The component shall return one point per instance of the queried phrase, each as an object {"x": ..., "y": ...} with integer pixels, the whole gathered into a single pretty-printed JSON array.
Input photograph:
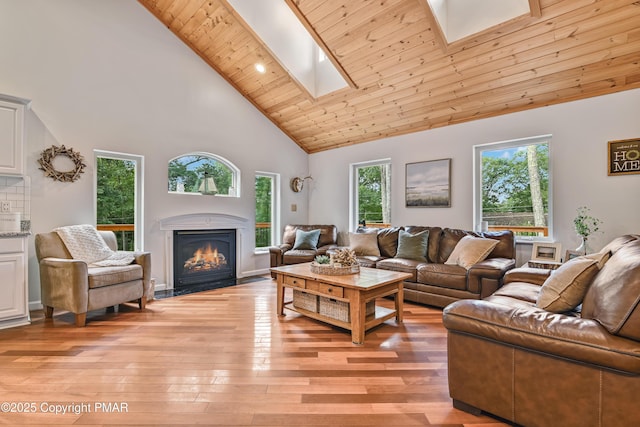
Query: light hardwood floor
[{"x": 223, "y": 357}]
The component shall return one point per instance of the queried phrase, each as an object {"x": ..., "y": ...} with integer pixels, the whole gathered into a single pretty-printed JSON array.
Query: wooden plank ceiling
[{"x": 406, "y": 78}]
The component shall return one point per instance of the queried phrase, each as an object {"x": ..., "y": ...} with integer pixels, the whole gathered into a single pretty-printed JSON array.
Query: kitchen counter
[{"x": 5, "y": 235}]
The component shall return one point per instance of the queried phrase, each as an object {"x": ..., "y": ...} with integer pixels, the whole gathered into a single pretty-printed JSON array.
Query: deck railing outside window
[
  {"x": 124, "y": 234},
  {"x": 263, "y": 234}
]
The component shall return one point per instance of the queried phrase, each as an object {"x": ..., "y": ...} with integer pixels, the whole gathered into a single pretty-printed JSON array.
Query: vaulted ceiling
[{"x": 405, "y": 77}]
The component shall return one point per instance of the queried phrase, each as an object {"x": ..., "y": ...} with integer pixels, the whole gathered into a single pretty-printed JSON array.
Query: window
[
  {"x": 277, "y": 25},
  {"x": 371, "y": 194},
  {"x": 512, "y": 187},
  {"x": 267, "y": 196},
  {"x": 204, "y": 173},
  {"x": 119, "y": 197}
]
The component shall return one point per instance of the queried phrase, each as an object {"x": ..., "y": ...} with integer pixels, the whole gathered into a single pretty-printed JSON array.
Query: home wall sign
[
  {"x": 624, "y": 157},
  {"x": 47, "y": 159}
]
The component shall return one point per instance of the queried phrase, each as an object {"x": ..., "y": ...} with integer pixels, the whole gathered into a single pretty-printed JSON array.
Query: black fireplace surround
[{"x": 203, "y": 256}]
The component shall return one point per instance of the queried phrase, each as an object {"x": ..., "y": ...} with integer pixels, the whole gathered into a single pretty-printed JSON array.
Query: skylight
[
  {"x": 461, "y": 18},
  {"x": 281, "y": 30}
]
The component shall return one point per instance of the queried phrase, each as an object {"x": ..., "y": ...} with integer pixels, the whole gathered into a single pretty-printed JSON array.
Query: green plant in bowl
[{"x": 322, "y": 259}]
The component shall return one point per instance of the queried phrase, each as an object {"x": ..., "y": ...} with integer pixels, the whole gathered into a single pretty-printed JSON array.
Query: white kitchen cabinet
[
  {"x": 12, "y": 135},
  {"x": 14, "y": 305}
]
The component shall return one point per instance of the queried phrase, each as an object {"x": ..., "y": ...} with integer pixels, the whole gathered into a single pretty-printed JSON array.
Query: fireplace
[{"x": 202, "y": 256}]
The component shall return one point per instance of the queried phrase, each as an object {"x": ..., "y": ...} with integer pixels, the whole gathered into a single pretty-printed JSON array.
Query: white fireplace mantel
[
  {"x": 203, "y": 221},
  {"x": 200, "y": 221}
]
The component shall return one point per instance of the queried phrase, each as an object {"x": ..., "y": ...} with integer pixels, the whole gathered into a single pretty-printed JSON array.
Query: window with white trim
[
  {"x": 512, "y": 187},
  {"x": 267, "y": 196},
  {"x": 203, "y": 173},
  {"x": 119, "y": 182},
  {"x": 370, "y": 194}
]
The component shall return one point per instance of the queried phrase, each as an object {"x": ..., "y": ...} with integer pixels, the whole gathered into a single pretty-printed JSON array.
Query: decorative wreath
[{"x": 46, "y": 159}]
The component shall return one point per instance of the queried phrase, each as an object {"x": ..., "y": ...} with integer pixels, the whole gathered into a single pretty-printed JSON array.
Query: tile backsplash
[{"x": 17, "y": 191}]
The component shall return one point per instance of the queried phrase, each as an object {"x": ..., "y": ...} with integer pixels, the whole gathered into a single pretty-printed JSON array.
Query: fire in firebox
[{"x": 205, "y": 259}]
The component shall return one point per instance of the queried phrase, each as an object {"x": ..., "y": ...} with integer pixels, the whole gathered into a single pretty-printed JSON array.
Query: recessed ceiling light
[{"x": 260, "y": 68}]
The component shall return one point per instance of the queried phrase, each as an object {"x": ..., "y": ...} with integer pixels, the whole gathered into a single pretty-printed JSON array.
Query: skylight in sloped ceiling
[
  {"x": 461, "y": 18},
  {"x": 281, "y": 30}
]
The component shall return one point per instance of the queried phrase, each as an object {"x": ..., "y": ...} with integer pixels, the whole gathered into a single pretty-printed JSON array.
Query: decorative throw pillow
[
  {"x": 306, "y": 239},
  {"x": 364, "y": 243},
  {"x": 413, "y": 246},
  {"x": 566, "y": 287},
  {"x": 600, "y": 257},
  {"x": 471, "y": 250}
]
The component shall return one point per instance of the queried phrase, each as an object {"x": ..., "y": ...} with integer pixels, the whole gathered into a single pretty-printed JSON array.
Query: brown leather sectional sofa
[
  {"x": 533, "y": 367},
  {"x": 433, "y": 282}
]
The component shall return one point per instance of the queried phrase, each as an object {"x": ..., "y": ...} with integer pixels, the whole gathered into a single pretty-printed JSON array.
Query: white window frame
[
  {"x": 477, "y": 181},
  {"x": 353, "y": 187},
  {"x": 275, "y": 208},
  {"x": 234, "y": 169},
  {"x": 139, "y": 191}
]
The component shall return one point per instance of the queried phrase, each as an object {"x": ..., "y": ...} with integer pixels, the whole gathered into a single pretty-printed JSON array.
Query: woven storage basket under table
[
  {"x": 339, "y": 310},
  {"x": 305, "y": 301}
]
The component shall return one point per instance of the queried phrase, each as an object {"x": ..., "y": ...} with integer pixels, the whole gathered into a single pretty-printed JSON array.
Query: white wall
[
  {"x": 108, "y": 75},
  {"x": 580, "y": 133}
]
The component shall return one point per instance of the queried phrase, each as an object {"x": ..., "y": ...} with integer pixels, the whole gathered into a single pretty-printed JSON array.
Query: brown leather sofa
[
  {"x": 532, "y": 367},
  {"x": 433, "y": 282},
  {"x": 284, "y": 254}
]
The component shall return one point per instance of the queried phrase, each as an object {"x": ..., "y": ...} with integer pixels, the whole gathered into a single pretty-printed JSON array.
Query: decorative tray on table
[
  {"x": 339, "y": 262},
  {"x": 333, "y": 270}
]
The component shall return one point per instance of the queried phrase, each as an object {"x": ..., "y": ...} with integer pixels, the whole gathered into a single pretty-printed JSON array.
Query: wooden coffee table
[{"x": 354, "y": 289}]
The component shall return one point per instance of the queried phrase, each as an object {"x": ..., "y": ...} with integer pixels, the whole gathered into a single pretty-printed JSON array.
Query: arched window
[{"x": 203, "y": 173}]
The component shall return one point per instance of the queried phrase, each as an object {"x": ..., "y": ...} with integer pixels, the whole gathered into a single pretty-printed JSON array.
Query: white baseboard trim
[{"x": 254, "y": 273}]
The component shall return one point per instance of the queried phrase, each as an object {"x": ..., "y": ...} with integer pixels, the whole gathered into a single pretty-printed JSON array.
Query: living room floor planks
[{"x": 223, "y": 357}]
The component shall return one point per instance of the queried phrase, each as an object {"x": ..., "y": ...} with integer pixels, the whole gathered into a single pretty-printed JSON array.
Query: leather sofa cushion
[
  {"x": 470, "y": 250},
  {"x": 619, "y": 242},
  {"x": 413, "y": 246},
  {"x": 388, "y": 241},
  {"x": 566, "y": 287},
  {"x": 306, "y": 239},
  {"x": 328, "y": 233},
  {"x": 449, "y": 238},
  {"x": 506, "y": 243},
  {"x": 368, "y": 261},
  {"x": 449, "y": 276},
  {"x": 434, "y": 239},
  {"x": 295, "y": 256},
  {"x": 107, "y": 276},
  {"x": 521, "y": 291},
  {"x": 613, "y": 299},
  {"x": 364, "y": 244},
  {"x": 527, "y": 274},
  {"x": 402, "y": 265}
]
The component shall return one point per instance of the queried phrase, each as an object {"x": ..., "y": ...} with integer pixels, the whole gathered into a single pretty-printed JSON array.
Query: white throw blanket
[{"x": 85, "y": 244}]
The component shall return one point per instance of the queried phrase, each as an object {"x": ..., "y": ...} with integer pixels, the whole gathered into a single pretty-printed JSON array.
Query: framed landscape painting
[{"x": 428, "y": 184}]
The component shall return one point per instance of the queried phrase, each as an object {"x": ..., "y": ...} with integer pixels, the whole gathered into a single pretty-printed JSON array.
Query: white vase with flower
[{"x": 585, "y": 225}]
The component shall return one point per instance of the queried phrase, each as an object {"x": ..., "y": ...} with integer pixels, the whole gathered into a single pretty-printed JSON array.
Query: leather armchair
[
  {"x": 284, "y": 254},
  {"x": 72, "y": 285}
]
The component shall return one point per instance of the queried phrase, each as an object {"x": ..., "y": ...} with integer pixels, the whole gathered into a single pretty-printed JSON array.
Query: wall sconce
[{"x": 297, "y": 183}]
